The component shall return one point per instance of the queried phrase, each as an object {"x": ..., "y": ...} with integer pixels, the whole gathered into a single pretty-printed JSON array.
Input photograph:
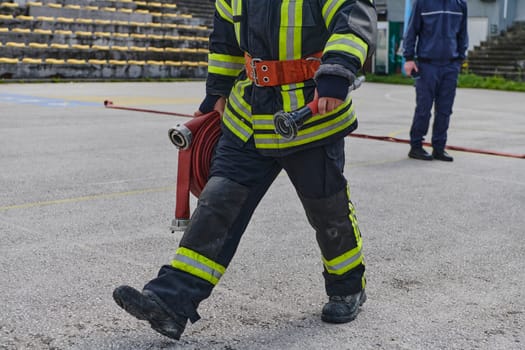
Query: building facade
[{"x": 487, "y": 18}]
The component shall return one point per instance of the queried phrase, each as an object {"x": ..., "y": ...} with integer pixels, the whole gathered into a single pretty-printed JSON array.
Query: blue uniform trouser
[
  {"x": 239, "y": 178},
  {"x": 436, "y": 86}
]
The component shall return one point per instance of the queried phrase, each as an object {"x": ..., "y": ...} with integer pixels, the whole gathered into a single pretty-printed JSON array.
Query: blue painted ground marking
[{"x": 44, "y": 101}]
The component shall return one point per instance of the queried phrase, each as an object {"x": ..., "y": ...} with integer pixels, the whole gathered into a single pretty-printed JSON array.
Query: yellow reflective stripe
[
  {"x": 329, "y": 9},
  {"x": 234, "y": 126},
  {"x": 293, "y": 96},
  {"x": 274, "y": 141},
  {"x": 290, "y": 30},
  {"x": 225, "y": 64},
  {"x": 263, "y": 122},
  {"x": 290, "y": 48},
  {"x": 352, "y": 258},
  {"x": 237, "y": 11},
  {"x": 353, "y": 217},
  {"x": 330, "y": 127},
  {"x": 348, "y": 43},
  {"x": 237, "y": 103},
  {"x": 198, "y": 265},
  {"x": 345, "y": 262},
  {"x": 237, "y": 100},
  {"x": 298, "y": 25},
  {"x": 224, "y": 10}
]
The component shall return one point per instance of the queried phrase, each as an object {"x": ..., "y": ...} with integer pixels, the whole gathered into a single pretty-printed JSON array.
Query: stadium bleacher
[{"x": 103, "y": 39}]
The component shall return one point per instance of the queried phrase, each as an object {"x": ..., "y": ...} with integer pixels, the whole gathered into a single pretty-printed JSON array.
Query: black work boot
[
  {"x": 146, "y": 306},
  {"x": 442, "y": 155},
  {"x": 419, "y": 153},
  {"x": 342, "y": 309}
]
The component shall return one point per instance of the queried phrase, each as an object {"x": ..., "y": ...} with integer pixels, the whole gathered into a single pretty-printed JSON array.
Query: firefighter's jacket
[{"x": 343, "y": 30}]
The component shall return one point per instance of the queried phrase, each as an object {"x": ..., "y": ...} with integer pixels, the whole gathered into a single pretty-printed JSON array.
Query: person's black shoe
[
  {"x": 144, "y": 306},
  {"x": 442, "y": 155},
  {"x": 342, "y": 309},
  {"x": 419, "y": 153}
]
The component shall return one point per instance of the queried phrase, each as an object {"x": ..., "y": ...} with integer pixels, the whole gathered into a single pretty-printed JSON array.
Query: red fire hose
[
  {"x": 453, "y": 148},
  {"x": 194, "y": 164},
  {"x": 196, "y": 150}
]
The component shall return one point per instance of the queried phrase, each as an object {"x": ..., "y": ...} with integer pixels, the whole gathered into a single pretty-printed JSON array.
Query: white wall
[
  {"x": 520, "y": 10},
  {"x": 478, "y": 28}
]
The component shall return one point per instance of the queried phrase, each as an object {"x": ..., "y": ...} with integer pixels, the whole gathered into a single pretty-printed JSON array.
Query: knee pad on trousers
[
  {"x": 334, "y": 222},
  {"x": 218, "y": 207}
]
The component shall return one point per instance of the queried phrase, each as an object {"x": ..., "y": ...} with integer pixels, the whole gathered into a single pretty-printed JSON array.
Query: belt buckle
[
  {"x": 313, "y": 58},
  {"x": 253, "y": 63}
]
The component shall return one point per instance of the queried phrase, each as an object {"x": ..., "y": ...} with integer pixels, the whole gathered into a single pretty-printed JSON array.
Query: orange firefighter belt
[{"x": 274, "y": 73}]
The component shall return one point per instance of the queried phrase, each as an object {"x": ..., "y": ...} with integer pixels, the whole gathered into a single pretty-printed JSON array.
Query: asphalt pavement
[{"x": 87, "y": 195}]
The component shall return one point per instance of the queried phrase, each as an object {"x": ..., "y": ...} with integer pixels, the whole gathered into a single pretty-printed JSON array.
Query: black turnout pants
[{"x": 239, "y": 178}]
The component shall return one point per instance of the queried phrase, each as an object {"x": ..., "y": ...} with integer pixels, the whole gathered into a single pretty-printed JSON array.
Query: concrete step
[
  {"x": 98, "y": 25},
  {"x": 502, "y": 68},
  {"x": 495, "y": 63},
  {"x": 102, "y": 70},
  {"x": 46, "y": 11},
  {"x": 100, "y": 52},
  {"x": 496, "y": 56},
  {"x": 518, "y": 52},
  {"x": 200, "y": 8},
  {"x": 105, "y": 40}
]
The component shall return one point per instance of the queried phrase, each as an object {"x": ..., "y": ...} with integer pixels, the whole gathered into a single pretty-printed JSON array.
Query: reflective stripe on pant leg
[
  {"x": 194, "y": 271},
  {"x": 192, "y": 275},
  {"x": 339, "y": 238},
  {"x": 197, "y": 265},
  {"x": 353, "y": 257},
  {"x": 317, "y": 175},
  {"x": 208, "y": 246},
  {"x": 218, "y": 207}
]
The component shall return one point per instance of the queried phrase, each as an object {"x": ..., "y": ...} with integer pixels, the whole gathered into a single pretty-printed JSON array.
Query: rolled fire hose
[{"x": 196, "y": 140}]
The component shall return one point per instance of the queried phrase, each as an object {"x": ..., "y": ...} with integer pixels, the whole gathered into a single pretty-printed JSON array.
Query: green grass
[{"x": 465, "y": 81}]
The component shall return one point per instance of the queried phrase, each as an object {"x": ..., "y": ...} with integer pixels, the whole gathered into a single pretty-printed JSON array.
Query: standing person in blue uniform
[
  {"x": 267, "y": 56},
  {"x": 435, "y": 44}
]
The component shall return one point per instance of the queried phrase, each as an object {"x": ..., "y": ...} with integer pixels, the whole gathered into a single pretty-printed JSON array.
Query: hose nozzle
[
  {"x": 287, "y": 124},
  {"x": 180, "y": 136}
]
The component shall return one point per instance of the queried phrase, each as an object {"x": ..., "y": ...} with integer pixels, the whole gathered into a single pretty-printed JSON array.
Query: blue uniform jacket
[{"x": 437, "y": 31}]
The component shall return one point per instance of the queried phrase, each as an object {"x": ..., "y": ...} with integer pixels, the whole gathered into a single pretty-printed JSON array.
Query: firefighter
[{"x": 267, "y": 56}]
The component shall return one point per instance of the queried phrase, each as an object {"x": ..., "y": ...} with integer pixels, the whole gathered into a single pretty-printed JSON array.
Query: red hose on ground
[
  {"x": 453, "y": 148},
  {"x": 109, "y": 104},
  {"x": 194, "y": 162}
]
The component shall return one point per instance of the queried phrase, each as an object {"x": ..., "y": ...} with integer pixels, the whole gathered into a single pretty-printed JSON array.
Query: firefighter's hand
[
  {"x": 219, "y": 107},
  {"x": 327, "y": 104},
  {"x": 409, "y": 67}
]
